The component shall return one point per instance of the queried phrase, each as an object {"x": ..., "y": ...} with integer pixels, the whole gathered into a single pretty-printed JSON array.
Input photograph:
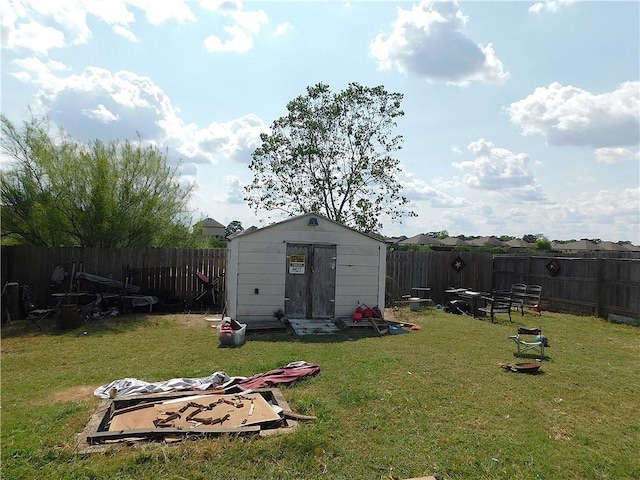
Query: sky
[{"x": 521, "y": 117}]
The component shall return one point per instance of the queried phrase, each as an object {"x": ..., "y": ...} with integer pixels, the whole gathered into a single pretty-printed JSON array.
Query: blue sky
[{"x": 520, "y": 116}]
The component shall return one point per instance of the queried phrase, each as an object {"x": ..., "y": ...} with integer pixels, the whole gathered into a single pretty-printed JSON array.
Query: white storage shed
[{"x": 308, "y": 267}]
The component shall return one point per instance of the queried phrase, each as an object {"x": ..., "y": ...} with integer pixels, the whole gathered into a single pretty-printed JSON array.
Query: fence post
[{"x": 598, "y": 285}]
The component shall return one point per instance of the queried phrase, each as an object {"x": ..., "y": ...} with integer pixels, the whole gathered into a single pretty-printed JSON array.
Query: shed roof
[{"x": 252, "y": 230}]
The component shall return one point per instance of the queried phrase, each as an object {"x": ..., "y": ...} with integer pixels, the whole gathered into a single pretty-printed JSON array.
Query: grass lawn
[{"x": 431, "y": 402}]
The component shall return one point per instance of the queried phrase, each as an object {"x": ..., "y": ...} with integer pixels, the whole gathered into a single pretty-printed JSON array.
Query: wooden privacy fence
[
  {"x": 157, "y": 271},
  {"x": 594, "y": 286},
  {"x": 438, "y": 271}
]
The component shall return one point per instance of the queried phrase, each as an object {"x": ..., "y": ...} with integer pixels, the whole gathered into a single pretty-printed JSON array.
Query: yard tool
[{"x": 209, "y": 297}]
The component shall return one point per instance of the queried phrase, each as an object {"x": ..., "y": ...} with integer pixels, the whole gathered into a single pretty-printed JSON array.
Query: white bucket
[{"x": 414, "y": 304}]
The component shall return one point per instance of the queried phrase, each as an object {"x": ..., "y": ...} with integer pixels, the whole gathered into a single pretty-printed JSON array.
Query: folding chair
[
  {"x": 518, "y": 293},
  {"x": 209, "y": 297},
  {"x": 529, "y": 339},
  {"x": 532, "y": 299},
  {"x": 499, "y": 302},
  {"x": 33, "y": 314}
]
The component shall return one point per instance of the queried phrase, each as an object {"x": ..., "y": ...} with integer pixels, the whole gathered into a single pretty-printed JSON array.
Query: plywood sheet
[{"x": 201, "y": 411}]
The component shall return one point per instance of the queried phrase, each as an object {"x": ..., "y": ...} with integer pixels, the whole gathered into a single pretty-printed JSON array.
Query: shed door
[{"x": 310, "y": 288}]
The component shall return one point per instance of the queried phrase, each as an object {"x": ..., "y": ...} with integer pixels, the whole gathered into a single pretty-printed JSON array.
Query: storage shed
[{"x": 308, "y": 267}]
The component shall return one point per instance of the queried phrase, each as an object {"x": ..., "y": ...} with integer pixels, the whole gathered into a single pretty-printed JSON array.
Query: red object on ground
[
  {"x": 368, "y": 313},
  {"x": 288, "y": 374},
  {"x": 357, "y": 317}
]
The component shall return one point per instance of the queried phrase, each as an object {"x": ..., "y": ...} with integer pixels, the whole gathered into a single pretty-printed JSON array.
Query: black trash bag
[{"x": 458, "y": 307}]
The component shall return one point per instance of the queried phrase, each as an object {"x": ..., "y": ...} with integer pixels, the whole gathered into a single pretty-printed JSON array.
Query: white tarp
[{"x": 133, "y": 386}]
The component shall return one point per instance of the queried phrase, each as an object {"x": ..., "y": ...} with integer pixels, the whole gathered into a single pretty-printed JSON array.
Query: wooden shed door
[{"x": 310, "y": 287}]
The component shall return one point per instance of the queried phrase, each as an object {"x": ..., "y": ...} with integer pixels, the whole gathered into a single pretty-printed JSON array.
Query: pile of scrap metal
[
  {"x": 120, "y": 290},
  {"x": 195, "y": 408}
]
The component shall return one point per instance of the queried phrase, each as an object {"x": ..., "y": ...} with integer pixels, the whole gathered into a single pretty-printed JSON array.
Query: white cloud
[
  {"x": 234, "y": 140},
  {"x": 568, "y": 115},
  {"x": 101, "y": 114},
  {"x": 123, "y": 105},
  {"x": 159, "y": 12},
  {"x": 38, "y": 25},
  {"x": 282, "y": 29},
  {"x": 617, "y": 209},
  {"x": 549, "y": 5},
  {"x": 246, "y": 25},
  {"x": 428, "y": 41},
  {"x": 500, "y": 170},
  {"x": 125, "y": 33},
  {"x": 615, "y": 155},
  {"x": 235, "y": 192},
  {"x": 34, "y": 36},
  {"x": 416, "y": 189}
]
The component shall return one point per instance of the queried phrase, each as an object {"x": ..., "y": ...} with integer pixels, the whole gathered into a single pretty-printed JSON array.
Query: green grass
[{"x": 431, "y": 402}]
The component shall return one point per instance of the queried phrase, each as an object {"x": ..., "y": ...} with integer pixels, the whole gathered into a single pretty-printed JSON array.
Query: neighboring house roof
[
  {"x": 454, "y": 242},
  {"x": 612, "y": 247},
  {"x": 421, "y": 239},
  {"x": 210, "y": 222},
  {"x": 517, "y": 243},
  {"x": 632, "y": 248},
  {"x": 487, "y": 242},
  {"x": 251, "y": 230},
  {"x": 579, "y": 246}
]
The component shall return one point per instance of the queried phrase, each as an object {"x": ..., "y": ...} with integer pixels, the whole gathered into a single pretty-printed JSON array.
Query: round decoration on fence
[
  {"x": 553, "y": 267},
  {"x": 458, "y": 264}
]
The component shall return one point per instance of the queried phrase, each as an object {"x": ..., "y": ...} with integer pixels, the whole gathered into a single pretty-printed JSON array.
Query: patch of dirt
[
  {"x": 559, "y": 433},
  {"x": 192, "y": 319},
  {"x": 73, "y": 394}
]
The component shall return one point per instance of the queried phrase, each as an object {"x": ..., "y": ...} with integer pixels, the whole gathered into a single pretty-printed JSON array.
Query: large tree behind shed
[
  {"x": 56, "y": 191},
  {"x": 332, "y": 154}
]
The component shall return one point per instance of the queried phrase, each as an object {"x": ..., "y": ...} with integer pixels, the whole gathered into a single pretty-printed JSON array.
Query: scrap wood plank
[
  {"x": 374, "y": 324},
  {"x": 401, "y": 324},
  {"x": 164, "y": 432}
]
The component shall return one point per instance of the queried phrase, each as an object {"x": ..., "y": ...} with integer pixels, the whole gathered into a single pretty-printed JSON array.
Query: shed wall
[{"x": 258, "y": 261}]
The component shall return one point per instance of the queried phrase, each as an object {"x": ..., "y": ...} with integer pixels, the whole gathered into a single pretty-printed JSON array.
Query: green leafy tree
[
  {"x": 57, "y": 191},
  {"x": 543, "y": 244},
  {"x": 532, "y": 238},
  {"x": 234, "y": 227},
  {"x": 332, "y": 154}
]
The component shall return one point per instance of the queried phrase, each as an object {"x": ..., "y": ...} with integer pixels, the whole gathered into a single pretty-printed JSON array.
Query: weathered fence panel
[
  {"x": 162, "y": 271},
  {"x": 406, "y": 270},
  {"x": 590, "y": 286}
]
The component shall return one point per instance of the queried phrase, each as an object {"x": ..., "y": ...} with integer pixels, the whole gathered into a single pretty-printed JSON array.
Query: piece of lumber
[
  {"x": 298, "y": 416},
  {"x": 98, "y": 437},
  {"x": 375, "y": 326},
  {"x": 400, "y": 324}
]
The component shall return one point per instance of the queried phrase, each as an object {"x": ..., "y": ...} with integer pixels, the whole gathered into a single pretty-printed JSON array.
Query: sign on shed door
[{"x": 310, "y": 287}]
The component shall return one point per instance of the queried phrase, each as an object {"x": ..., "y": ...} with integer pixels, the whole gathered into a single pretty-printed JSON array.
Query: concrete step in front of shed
[{"x": 315, "y": 326}]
